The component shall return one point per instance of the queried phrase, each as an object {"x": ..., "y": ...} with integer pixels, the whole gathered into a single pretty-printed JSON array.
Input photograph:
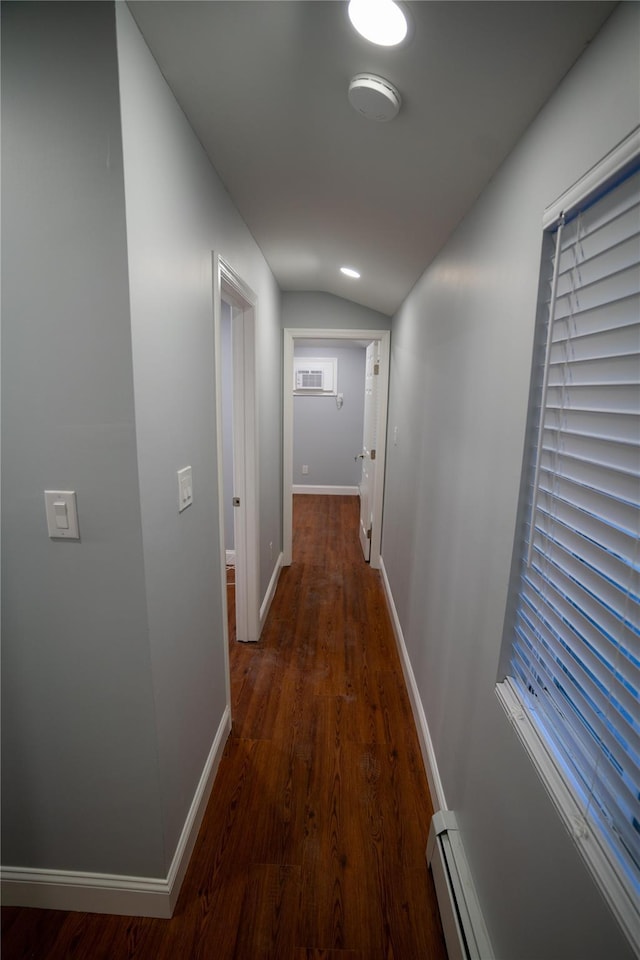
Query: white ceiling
[{"x": 264, "y": 85}]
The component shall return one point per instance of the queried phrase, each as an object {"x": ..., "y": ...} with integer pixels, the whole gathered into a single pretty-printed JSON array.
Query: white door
[{"x": 368, "y": 455}]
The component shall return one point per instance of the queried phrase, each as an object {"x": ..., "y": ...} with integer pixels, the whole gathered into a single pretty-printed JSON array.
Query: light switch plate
[
  {"x": 62, "y": 514},
  {"x": 185, "y": 489}
]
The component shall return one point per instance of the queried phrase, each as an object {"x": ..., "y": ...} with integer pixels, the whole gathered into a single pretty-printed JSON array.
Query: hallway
[{"x": 313, "y": 844}]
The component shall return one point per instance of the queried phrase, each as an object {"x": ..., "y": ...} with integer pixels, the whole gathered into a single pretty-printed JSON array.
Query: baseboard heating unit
[{"x": 462, "y": 921}]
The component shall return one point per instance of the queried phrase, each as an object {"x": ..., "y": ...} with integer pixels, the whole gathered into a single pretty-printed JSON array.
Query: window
[{"x": 572, "y": 637}]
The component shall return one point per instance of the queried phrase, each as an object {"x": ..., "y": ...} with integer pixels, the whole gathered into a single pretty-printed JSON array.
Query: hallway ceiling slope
[{"x": 264, "y": 85}]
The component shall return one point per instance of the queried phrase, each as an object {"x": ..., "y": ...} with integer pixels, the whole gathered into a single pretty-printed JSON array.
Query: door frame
[
  {"x": 228, "y": 285},
  {"x": 326, "y": 333},
  {"x": 369, "y": 464}
]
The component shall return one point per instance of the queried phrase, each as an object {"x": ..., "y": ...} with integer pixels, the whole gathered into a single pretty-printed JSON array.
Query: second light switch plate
[
  {"x": 62, "y": 514},
  {"x": 185, "y": 489}
]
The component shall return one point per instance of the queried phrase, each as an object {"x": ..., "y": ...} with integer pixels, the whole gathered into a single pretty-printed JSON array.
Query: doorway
[
  {"x": 231, "y": 290},
  {"x": 382, "y": 339}
]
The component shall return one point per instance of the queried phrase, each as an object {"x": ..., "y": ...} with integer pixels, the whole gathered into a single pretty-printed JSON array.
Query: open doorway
[
  {"x": 234, "y": 320},
  {"x": 381, "y": 339}
]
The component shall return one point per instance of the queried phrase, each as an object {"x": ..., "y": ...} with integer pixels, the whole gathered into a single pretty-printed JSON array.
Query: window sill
[{"x": 617, "y": 894}]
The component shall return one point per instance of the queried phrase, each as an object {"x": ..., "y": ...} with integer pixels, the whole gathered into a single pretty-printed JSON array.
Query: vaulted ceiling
[{"x": 264, "y": 85}]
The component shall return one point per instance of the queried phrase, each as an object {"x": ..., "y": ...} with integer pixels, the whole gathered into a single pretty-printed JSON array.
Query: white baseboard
[
  {"x": 271, "y": 590},
  {"x": 109, "y": 893},
  {"x": 230, "y": 558},
  {"x": 85, "y": 892},
  {"x": 189, "y": 834},
  {"x": 328, "y": 491},
  {"x": 424, "y": 736}
]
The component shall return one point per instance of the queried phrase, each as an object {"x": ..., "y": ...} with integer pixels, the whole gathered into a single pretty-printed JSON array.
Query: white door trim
[
  {"x": 291, "y": 334},
  {"x": 228, "y": 285}
]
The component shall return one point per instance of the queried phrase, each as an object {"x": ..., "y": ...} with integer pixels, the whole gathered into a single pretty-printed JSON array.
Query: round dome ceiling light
[
  {"x": 374, "y": 97},
  {"x": 350, "y": 272},
  {"x": 379, "y": 21}
]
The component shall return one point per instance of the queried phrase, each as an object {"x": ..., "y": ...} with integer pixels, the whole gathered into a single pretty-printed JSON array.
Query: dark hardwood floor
[{"x": 313, "y": 843}]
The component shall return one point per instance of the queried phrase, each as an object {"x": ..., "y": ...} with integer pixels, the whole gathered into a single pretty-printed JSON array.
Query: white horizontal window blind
[{"x": 575, "y": 649}]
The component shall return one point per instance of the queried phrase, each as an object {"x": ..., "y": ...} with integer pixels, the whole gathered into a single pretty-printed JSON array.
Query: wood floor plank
[
  {"x": 30, "y": 929},
  {"x": 277, "y": 809},
  {"x": 207, "y": 926},
  {"x": 88, "y": 935},
  {"x": 312, "y": 846},
  {"x": 311, "y": 954},
  {"x": 325, "y": 854},
  {"x": 272, "y": 900}
]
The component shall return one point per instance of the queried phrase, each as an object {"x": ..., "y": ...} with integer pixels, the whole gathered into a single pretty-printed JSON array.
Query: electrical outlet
[{"x": 305, "y": 469}]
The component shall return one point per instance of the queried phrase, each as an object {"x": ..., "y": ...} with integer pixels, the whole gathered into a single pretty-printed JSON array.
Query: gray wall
[
  {"x": 80, "y": 779},
  {"x": 177, "y": 213},
  {"x": 314, "y": 309},
  {"x": 461, "y": 354},
  {"x": 326, "y": 438},
  {"x": 113, "y": 660}
]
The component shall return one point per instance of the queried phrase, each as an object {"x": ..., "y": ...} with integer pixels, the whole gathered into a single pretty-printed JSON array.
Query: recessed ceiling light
[
  {"x": 350, "y": 272},
  {"x": 379, "y": 21}
]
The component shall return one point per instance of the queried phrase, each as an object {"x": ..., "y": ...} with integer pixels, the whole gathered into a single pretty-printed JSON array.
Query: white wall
[
  {"x": 325, "y": 437},
  {"x": 177, "y": 213},
  {"x": 79, "y": 748},
  {"x": 460, "y": 366},
  {"x": 316, "y": 309}
]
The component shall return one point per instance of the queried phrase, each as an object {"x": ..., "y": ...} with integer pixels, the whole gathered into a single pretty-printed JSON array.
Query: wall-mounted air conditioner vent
[
  {"x": 315, "y": 376},
  {"x": 309, "y": 380}
]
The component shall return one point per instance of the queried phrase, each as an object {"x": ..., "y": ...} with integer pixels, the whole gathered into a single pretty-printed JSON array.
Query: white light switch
[
  {"x": 62, "y": 514},
  {"x": 185, "y": 489}
]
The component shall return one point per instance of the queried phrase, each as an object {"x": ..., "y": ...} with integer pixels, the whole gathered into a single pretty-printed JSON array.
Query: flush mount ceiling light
[
  {"x": 350, "y": 272},
  {"x": 379, "y": 21},
  {"x": 374, "y": 97}
]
